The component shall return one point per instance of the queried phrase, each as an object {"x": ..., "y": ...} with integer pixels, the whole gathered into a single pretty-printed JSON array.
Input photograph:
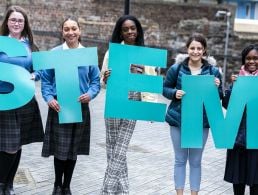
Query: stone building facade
[{"x": 166, "y": 24}]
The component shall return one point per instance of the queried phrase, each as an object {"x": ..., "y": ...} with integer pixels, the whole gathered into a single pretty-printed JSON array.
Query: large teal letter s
[{"x": 24, "y": 87}]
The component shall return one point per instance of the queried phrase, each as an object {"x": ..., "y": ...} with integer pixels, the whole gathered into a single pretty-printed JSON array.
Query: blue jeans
[{"x": 182, "y": 155}]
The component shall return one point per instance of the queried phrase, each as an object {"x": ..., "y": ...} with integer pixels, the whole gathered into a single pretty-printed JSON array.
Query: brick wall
[{"x": 166, "y": 24}]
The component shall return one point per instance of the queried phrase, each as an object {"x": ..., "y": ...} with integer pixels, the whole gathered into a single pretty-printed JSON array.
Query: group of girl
[
  {"x": 23, "y": 125},
  {"x": 66, "y": 141}
]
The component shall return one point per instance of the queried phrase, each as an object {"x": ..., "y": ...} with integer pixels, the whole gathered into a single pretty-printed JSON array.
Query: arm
[
  {"x": 36, "y": 75},
  {"x": 48, "y": 89},
  {"x": 169, "y": 85},
  {"x": 218, "y": 77},
  {"x": 104, "y": 70},
  {"x": 94, "y": 82},
  {"x": 47, "y": 85}
]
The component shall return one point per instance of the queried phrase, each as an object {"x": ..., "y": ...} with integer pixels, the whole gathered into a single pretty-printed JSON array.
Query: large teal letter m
[{"x": 201, "y": 92}]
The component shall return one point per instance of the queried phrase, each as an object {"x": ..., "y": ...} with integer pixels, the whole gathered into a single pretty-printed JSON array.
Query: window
[
  {"x": 247, "y": 11},
  {"x": 256, "y": 12}
]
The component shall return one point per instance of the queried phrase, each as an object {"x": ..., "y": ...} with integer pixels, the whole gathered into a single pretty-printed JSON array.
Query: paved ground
[{"x": 150, "y": 162}]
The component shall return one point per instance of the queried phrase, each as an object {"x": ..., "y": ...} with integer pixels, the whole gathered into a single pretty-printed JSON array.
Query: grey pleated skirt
[
  {"x": 20, "y": 126},
  {"x": 66, "y": 141}
]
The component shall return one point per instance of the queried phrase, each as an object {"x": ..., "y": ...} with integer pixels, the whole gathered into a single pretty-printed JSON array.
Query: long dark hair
[
  {"x": 199, "y": 38},
  {"x": 247, "y": 50},
  {"x": 117, "y": 36},
  {"x": 27, "y": 33}
]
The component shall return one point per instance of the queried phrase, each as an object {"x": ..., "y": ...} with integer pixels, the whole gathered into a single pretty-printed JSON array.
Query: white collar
[
  {"x": 65, "y": 46},
  {"x": 22, "y": 39}
]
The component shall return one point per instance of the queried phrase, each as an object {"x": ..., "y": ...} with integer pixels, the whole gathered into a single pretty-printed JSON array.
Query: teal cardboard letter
[
  {"x": 122, "y": 81},
  {"x": 201, "y": 92},
  {"x": 66, "y": 63},
  {"x": 24, "y": 87},
  {"x": 248, "y": 99}
]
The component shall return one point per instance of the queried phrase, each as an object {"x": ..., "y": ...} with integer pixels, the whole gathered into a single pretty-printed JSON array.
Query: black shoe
[
  {"x": 9, "y": 190},
  {"x": 67, "y": 191},
  {"x": 57, "y": 191},
  {"x": 2, "y": 188}
]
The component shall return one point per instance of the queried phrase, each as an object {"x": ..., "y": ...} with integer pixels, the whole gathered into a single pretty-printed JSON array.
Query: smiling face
[
  {"x": 71, "y": 33},
  {"x": 15, "y": 24},
  {"x": 251, "y": 61},
  {"x": 195, "y": 51},
  {"x": 129, "y": 32}
]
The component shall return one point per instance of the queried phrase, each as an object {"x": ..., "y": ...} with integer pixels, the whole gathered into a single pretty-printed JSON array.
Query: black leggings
[{"x": 239, "y": 189}]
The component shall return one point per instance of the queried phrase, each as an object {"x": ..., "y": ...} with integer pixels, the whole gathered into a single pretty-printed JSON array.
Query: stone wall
[{"x": 166, "y": 24}]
